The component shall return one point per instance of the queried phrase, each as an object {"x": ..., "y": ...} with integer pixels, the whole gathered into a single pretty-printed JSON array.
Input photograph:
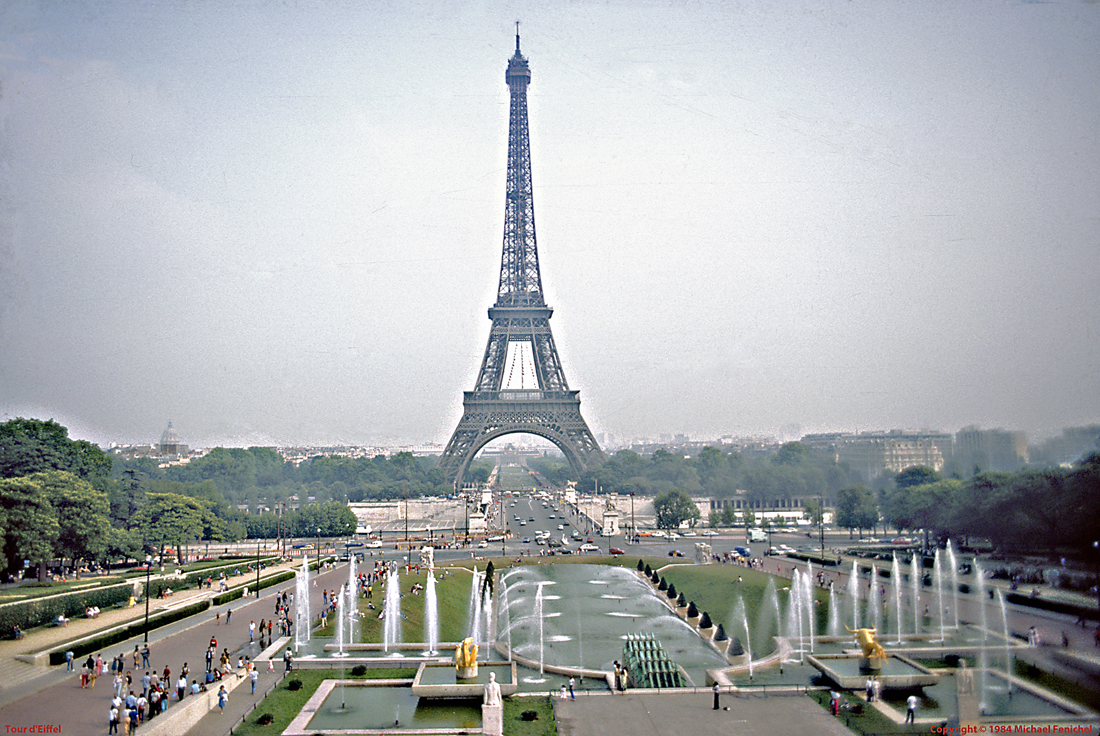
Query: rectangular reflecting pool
[{"x": 350, "y": 707}]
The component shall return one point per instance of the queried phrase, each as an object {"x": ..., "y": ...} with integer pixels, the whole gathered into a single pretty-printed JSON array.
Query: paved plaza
[{"x": 646, "y": 714}]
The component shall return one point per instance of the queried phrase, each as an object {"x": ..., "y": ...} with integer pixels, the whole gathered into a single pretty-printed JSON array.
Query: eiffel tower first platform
[{"x": 520, "y": 335}]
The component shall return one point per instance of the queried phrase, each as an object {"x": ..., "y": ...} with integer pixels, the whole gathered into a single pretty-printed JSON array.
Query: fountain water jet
[
  {"x": 431, "y": 610},
  {"x": 874, "y": 600},
  {"x": 853, "y": 593},
  {"x": 895, "y": 577},
  {"x": 1006, "y": 640},
  {"x": 834, "y": 612},
  {"x": 301, "y": 605},
  {"x": 391, "y": 625},
  {"x": 740, "y": 614},
  {"x": 954, "y": 580},
  {"x": 914, "y": 587},
  {"x": 937, "y": 580},
  {"x": 983, "y": 656},
  {"x": 341, "y": 625}
]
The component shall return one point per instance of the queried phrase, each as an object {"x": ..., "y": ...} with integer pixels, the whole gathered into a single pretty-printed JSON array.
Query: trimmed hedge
[
  {"x": 1047, "y": 604},
  {"x": 234, "y": 593},
  {"x": 99, "y": 643},
  {"x": 42, "y": 611}
]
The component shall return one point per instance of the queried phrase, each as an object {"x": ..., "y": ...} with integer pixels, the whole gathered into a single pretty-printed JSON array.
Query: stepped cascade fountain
[{"x": 554, "y": 622}]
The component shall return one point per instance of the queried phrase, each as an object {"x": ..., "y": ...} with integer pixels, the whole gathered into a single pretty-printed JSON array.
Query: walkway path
[{"x": 55, "y": 697}]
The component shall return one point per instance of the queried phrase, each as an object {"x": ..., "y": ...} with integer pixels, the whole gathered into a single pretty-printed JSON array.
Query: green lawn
[{"x": 542, "y": 725}]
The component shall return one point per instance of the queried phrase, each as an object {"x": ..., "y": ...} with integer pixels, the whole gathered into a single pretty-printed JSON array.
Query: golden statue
[
  {"x": 466, "y": 653},
  {"x": 866, "y": 638}
]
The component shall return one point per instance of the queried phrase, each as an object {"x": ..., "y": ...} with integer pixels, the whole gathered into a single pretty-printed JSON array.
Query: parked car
[
  {"x": 743, "y": 551},
  {"x": 675, "y": 553},
  {"x": 710, "y": 533},
  {"x": 616, "y": 551},
  {"x": 588, "y": 548}
]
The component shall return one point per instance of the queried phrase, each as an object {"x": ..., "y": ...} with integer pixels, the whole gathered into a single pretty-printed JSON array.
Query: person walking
[
  {"x": 145, "y": 656},
  {"x": 223, "y": 698},
  {"x": 228, "y": 615},
  {"x": 69, "y": 656},
  {"x": 571, "y": 695},
  {"x": 911, "y": 709},
  {"x": 251, "y": 631},
  {"x": 112, "y": 720},
  {"x": 254, "y": 676}
]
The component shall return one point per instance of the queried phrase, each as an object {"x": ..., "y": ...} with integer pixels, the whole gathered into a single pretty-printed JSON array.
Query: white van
[{"x": 757, "y": 535}]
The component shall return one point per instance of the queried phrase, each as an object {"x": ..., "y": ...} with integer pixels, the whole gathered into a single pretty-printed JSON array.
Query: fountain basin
[
  {"x": 380, "y": 706},
  {"x": 440, "y": 681},
  {"x": 897, "y": 673}
]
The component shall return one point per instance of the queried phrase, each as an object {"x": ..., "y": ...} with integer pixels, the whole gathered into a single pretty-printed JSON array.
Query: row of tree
[
  {"x": 794, "y": 471},
  {"x": 65, "y": 500}
]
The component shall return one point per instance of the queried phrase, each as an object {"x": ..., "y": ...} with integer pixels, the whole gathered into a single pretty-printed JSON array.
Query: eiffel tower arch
[{"x": 521, "y": 330}]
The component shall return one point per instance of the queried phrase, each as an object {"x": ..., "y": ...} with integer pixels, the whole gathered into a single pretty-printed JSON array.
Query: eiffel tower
[{"x": 520, "y": 334}]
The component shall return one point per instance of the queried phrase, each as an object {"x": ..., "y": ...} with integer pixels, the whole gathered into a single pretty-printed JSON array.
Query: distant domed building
[{"x": 170, "y": 443}]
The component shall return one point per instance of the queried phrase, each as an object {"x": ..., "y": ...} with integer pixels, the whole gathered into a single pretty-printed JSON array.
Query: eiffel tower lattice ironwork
[{"x": 521, "y": 329}]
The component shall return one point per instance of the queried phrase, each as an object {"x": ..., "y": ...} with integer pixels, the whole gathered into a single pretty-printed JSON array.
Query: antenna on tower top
[{"x": 517, "y": 36}]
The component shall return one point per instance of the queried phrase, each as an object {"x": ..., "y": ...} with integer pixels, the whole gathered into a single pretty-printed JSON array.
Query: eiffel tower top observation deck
[{"x": 520, "y": 316}]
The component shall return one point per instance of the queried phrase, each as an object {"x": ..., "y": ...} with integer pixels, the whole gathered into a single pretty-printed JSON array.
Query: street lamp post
[
  {"x": 503, "y": 528},
  {"x": 257, "y": 567},
  {"x": 148, "y": 570},
  {"x": 318, "y": 542},
  {"x": 633, "y": 529},
  {"x": 821, "y": 523},
  {"x": 407, "y": 524},
  {"x": 1096, "y": 563}
]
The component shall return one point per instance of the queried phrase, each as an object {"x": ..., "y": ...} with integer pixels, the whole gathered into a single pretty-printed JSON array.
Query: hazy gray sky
[{"x": 281, "y": 222}]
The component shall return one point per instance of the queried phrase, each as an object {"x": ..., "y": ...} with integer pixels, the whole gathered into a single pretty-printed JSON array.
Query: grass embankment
[
  {"x": 283, "y": 704},
  {"x": 452, "y": 594},
  {"x": 715, "y": 589}
]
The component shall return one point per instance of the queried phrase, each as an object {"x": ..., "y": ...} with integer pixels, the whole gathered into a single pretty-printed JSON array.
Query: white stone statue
[{"x": 492, "y": 690}]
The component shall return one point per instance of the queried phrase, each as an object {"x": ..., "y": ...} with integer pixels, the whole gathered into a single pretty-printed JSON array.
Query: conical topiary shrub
[
  {"x": 655, "y": 577},
  {"x": 681, "y": 601},
  {"x": 735, "y": 650},
  {"x": 662, "y": 585},
  {"x": 641, "y": 565},
  {"x": 720, "y": 635},
  {"x": 705, "y": 622},
  {"x": 671, "y": 592},
  {"x": 693, "y": 610},
  {"x": 648, "y": 571}
]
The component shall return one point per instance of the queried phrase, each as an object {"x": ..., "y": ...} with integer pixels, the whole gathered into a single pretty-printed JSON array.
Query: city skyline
[{"x": 282, "y": 225}]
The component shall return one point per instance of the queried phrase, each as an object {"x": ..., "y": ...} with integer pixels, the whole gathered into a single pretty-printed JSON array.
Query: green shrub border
[
  {"x": 234, "y": 593},
  {"x": 42, "y": 611},
  {"x": 106, "y": 639}
]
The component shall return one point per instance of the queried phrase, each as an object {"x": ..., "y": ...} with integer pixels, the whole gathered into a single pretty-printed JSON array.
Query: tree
[
  {"x": 28, "y": 524},
  {"x": 856, "y": 508},
  {"x": 813, "y": 512},
  {"x": 33, "y": 445},
  {"x": 170, "y": 517},
  {"x": 84, "y": 529},
  {"x": 673, "y": 508},
  {"x": 917, "y": 475}
]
